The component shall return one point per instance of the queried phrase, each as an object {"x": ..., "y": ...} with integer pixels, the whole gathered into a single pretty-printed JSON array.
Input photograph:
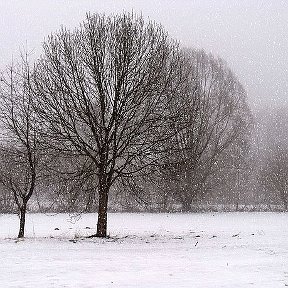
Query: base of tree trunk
[{"x": 97, "y": 236}]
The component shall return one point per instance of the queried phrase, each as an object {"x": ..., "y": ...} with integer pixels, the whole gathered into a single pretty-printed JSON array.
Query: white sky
[{"x": 252, "y": 36}]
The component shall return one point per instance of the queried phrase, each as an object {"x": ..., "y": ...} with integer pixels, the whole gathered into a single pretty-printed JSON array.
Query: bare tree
[
  {"x": 270, "y": 153},
  {"x": 232, "y": 178},
  {"x": 274, "y": 175},
  {"x": 103, "y": 92},
  {"x": 19, "y": 143},
  {"x": 208, "y": 119}
]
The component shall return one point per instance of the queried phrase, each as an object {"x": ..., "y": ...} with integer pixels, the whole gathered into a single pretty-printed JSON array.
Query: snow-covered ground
[{"x": 146, "y": 250}]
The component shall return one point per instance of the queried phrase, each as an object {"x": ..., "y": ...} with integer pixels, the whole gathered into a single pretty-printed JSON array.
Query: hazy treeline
[{"x": 116, "y": 110}]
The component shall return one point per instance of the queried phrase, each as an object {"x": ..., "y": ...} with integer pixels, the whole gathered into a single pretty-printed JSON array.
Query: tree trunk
[
  {"x": 237, "y": 206},
  {"x": 102, "y": 211},
  {"x": 285, "y": 205},
  {"x": 22, "y": 220}
]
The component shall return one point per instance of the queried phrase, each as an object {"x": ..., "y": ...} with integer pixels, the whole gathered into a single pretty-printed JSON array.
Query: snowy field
[{"x": 146, "y": 250}]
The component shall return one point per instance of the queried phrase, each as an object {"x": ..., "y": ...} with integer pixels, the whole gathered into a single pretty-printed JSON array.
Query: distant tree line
[{"x": 117, "y": 110}]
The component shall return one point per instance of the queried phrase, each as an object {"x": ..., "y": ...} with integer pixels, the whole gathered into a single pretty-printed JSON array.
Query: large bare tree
[
  {"x": 209, "y": 117},
  {"x": 102, "y": 91}
]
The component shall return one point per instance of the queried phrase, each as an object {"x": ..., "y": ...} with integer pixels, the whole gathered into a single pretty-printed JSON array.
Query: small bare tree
[
  {"x": 19, "y": 144},
  {"x": 274, "y": 175},
  {"x": 103, "y": 92}
]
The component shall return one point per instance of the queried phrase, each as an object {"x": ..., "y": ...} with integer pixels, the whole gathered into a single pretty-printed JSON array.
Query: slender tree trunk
[
  {"x": 22, "y": 220},
  {"x": 285, "y": 205},
  {"x": 102, "y": 211},
  {"x": 237, "y": 206}
]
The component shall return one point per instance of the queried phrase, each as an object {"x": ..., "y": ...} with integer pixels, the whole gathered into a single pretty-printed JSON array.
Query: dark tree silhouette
[
  {"x": 102, "y": 91},
  {"x": 19, "y": 149}
]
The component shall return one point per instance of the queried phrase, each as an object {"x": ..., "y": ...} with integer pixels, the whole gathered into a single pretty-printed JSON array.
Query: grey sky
[{"x": 252, "y": 36}]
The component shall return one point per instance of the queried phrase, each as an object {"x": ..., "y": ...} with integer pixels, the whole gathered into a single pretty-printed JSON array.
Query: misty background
[{"x": 250, "y": 35}]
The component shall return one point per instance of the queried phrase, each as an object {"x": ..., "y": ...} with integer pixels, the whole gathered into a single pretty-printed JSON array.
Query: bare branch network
[{"x": 117, "y": 106}]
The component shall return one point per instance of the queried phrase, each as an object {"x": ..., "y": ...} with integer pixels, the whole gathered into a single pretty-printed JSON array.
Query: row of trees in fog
[{"x": 117, "y": 109}]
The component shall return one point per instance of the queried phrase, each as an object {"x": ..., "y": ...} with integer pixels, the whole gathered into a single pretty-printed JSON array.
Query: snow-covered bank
[{"x": 147, "y": 250}]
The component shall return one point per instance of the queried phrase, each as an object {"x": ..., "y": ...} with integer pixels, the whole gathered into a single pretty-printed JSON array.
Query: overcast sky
[{"x": 251, "y": 35}]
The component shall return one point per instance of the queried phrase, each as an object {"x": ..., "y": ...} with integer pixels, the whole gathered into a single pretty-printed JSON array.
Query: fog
[{"x": 250, "y": 35}]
